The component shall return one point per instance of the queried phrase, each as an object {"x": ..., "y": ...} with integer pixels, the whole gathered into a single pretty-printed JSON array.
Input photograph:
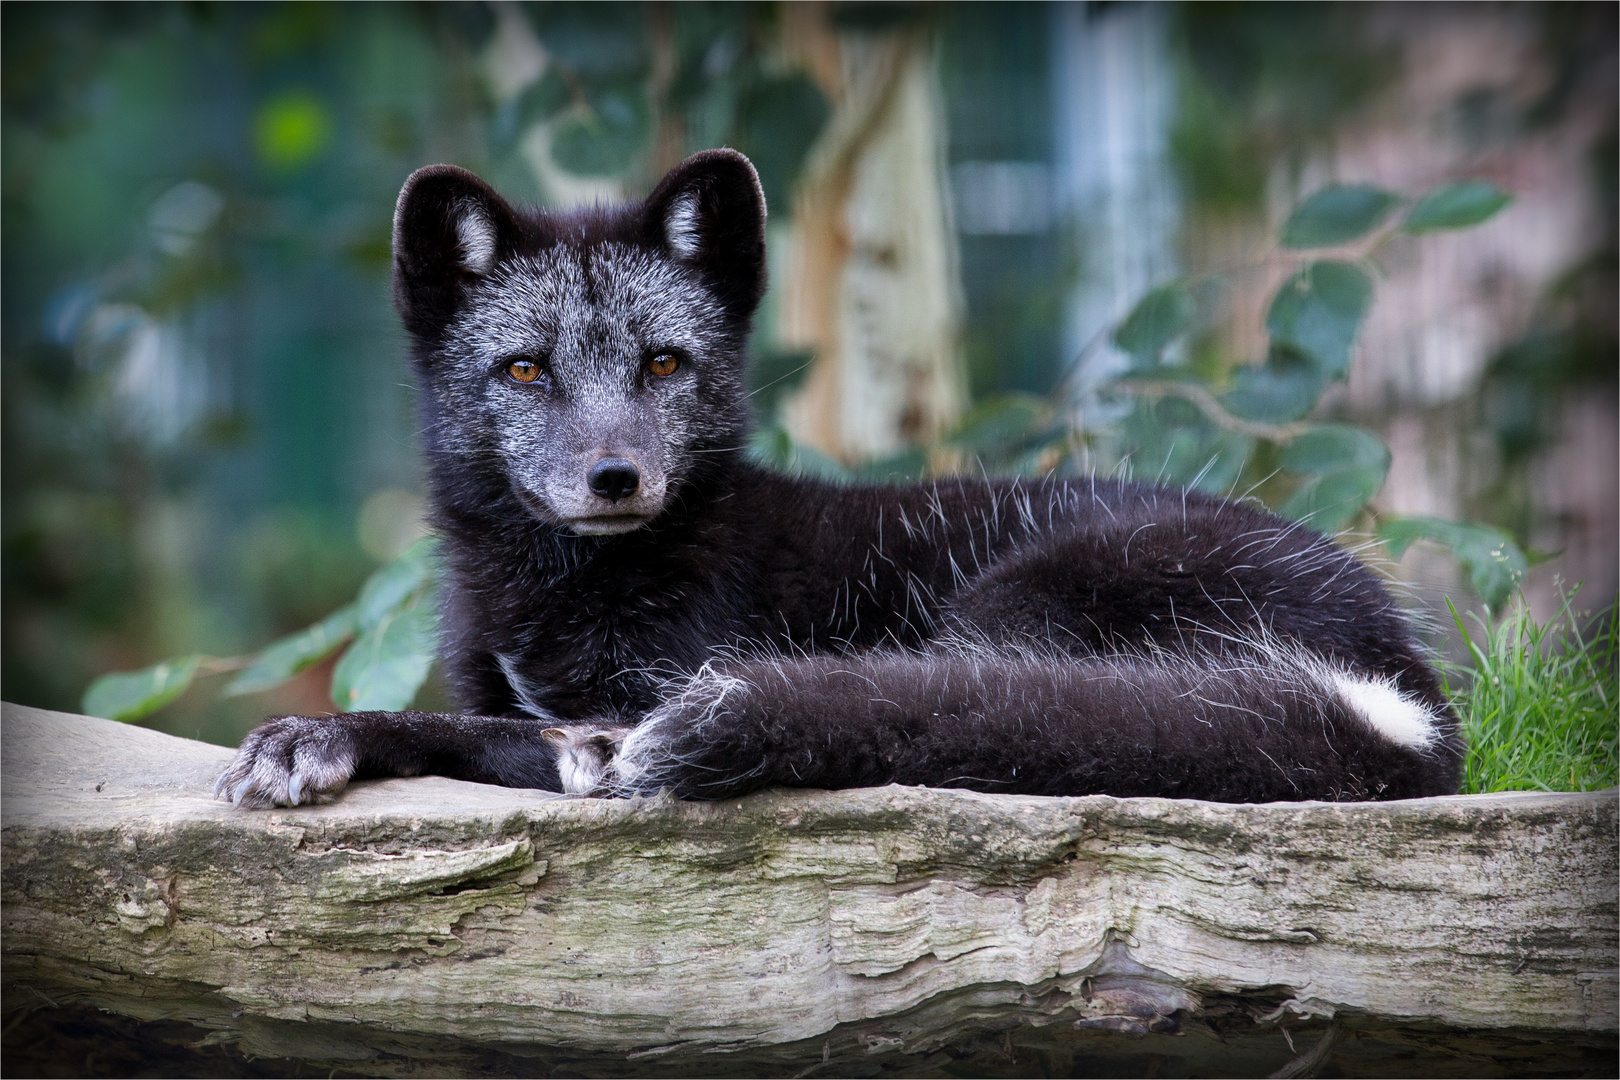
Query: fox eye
[
  {"x": 663, "y": 364},
  {"x": 523, "y": 371}
]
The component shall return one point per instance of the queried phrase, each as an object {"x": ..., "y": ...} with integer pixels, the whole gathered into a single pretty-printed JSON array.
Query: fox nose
[{"x": 613, "y": 478}]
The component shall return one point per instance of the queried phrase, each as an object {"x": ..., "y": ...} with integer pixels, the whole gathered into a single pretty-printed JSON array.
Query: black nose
[{"x": 613, "y": 478}]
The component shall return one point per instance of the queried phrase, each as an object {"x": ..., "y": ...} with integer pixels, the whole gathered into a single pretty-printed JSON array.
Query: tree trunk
[
  {"x": 872, "y": 285},
  {"x": 431, "y": 927}
]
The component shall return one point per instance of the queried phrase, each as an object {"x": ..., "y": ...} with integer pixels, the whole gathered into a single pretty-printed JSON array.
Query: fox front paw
[{"x": 288, "y": 761}]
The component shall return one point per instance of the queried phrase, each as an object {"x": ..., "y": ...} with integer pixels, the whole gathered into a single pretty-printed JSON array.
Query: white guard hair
[{"x": 528, "y": 700}]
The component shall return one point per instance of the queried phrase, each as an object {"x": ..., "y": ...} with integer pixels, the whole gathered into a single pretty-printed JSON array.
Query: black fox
[{"x": 632, "y": 606}]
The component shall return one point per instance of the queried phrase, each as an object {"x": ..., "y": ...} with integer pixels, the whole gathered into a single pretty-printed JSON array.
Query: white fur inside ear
[
  {"x": 475, "y": 234},
  {"x": 1397, "y": 718},
  {"x": 681, "y": 225}
]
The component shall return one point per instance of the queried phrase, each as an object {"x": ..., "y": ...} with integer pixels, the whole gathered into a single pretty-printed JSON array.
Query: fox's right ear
[
  {"x": 709, "y": 212},
  {"x": 449, "y": 228}
]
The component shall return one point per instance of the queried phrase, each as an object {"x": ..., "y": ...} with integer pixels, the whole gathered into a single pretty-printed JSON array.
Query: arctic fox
[{"x": 631, "y": 606}]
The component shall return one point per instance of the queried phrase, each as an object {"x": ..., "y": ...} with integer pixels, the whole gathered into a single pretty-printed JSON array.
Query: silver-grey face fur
[{"x": 591, "y": 318}]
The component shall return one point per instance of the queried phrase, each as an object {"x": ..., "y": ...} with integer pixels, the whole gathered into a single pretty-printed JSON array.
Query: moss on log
[{"x": 428, "y": 926}]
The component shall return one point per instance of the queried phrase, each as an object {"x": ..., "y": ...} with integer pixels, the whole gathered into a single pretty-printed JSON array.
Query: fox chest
[{"x": 579, "y": 653}]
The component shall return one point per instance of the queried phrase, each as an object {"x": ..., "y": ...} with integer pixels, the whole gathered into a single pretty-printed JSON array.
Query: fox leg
[{"x": 309, "y": 759}]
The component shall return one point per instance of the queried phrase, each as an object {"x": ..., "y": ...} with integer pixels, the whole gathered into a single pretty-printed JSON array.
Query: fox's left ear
[
  {"x": 450, "y": 228},
  {"x": 709, "y": 212}
]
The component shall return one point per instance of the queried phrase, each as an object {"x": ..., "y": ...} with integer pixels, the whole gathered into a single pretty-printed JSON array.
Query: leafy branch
[
  {"x": 1251, "y": 424},
  {"x": 1312, "y": 323},
  {"x": 1211, "y": 407},
  {"x": 390, "y": 631}
]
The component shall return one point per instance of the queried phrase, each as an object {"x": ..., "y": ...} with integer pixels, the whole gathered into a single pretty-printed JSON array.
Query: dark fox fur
[{"x": 631, "y": 606}]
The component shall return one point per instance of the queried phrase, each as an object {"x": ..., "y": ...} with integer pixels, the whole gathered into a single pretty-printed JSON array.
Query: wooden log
[{"x": 428, "y": 926}]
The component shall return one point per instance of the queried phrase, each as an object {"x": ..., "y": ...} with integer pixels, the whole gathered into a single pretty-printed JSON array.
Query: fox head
[{"x": 594, "y": 358}]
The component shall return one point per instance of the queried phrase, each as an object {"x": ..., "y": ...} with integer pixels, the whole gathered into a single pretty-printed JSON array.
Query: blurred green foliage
[
  {"x": 1242, "y": 429},
  {"x": 200, "y": 362},
  {"x": 202, "y": 369},
  {"x": 1262, "y": 86},
  {"x": 291, "y": 130},
  {"x": 1571, "y": 347}
]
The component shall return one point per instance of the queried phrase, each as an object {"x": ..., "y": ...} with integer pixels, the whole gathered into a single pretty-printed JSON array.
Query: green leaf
[
  {"x": 1401, "y": 533},
  {"x": 1318, "y": 311},
  {"x": 1177, "y": 456},
  {"x": 606, "y": 140},
  {"x": 774, "y": 448},
  {"x": 283, "y": 659},
  {"x": 388, "y": 662},
  {"x": 1330, "y": 500},
  {"x": 1003, "y": 422},
  {"x": 1345, "y": 467},
  {"x": 130, "y": 695},
  {"x": 1337, "y": 215},
  {"x": 1327, "y": 448},
  {"x": 537, "y": 102},
  {"x": 905, "y": 465},
  {"x": 395, "y": 583},
  {"x": 1495, "y": 564},
  {"x": 808, "y": 461},
  {"x": 773, "y": 374},
  {"x": 1456, "y": 206},
  {"x": 711, "y": 117},
  {"x": 777, "y": 122},
  {"x": 1224, "y": 456},
  {"x": 596, "y": 41},
  {"x": 1158, "y": 319},
  {"x": 1276, "y": 393}
]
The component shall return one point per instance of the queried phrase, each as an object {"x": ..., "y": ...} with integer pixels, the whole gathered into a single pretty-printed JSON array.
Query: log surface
[{"x": 418, "y": 924}]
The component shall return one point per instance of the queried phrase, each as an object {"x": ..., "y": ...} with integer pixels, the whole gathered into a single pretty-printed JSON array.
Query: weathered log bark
[{"x": 428, "y": 926}]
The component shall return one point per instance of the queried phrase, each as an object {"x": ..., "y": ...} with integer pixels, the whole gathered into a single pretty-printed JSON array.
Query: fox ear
[
  {"x": 449, "y": 228},
  {"x": 709, "y": 212}
]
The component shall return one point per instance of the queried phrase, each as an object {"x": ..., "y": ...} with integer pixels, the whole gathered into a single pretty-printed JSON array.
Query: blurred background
[{"x": 208, "y": 425}]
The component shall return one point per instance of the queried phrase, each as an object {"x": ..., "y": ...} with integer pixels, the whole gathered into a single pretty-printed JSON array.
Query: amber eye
[
  {"x": 663, "y": 364},
  {"x": 523, "y": 370}
]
